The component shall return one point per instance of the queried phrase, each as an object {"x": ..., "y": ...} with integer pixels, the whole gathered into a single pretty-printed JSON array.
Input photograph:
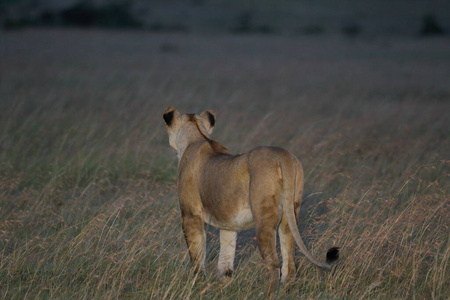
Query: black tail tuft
[{"x": 332, "y": 255}]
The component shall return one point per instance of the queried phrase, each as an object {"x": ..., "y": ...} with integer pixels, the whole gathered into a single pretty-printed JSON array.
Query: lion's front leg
[
  {"x": 227, "y": 251},
  {"x": 194, "y": 233}
]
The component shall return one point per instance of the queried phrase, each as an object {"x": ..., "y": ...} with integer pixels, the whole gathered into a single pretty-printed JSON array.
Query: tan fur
[{"x": 261, "y": 188}]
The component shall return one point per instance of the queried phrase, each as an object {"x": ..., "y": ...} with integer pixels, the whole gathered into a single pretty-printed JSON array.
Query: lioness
[{"x": 261, "y": 188}]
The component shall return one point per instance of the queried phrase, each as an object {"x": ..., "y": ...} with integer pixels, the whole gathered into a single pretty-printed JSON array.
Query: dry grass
[{"x": 88, "y": 206}]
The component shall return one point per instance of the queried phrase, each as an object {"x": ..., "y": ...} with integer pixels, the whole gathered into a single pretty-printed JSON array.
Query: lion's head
[{"x": 182, "y": 128}]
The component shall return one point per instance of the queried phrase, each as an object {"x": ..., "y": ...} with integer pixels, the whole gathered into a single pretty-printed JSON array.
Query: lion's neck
[{"x": 187, "y": 138}]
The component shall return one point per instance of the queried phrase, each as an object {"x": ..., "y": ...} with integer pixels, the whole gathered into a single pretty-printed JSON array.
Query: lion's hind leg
[
  {"x": 264, "y": 195},
  {"x": 266, "y": 239},
  {"x": 266, "y": 217}
]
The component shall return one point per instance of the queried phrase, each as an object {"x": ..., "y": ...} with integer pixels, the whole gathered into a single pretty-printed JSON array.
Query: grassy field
[{"x": 88, "y": 205}]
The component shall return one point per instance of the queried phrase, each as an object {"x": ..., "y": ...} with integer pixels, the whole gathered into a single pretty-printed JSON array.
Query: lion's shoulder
[{"x": 218, "y": 148}]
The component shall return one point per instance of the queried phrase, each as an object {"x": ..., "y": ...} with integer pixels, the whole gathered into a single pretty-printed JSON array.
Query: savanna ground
[{"x": 88, "y": 205}]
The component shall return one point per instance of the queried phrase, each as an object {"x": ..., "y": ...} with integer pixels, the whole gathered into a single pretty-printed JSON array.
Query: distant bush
[
  {"x": 49, "y": 18},
  {"x": 312, "y": 30},
  {"x": 162, "y": 27},
  {"x": 245, "y": 25},
  {"x": 13, "y": 24},
  {"x": 81, "y": 14},
  {"x": 430, "y": 26},
  {"x": 351, "y": 29},
  {"x": 266, "y": 29},
  {"x": 85, "y": 14},
  {"x": 244, "y": 22}
]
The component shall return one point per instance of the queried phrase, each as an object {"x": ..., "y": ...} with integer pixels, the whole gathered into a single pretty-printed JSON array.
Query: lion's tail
[{"x": 288, "y": 195}]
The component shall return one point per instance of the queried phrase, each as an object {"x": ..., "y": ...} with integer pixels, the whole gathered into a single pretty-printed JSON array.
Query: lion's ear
[
  {"x": 169, "y": 114},
  {"x": 210, "y": 115}
]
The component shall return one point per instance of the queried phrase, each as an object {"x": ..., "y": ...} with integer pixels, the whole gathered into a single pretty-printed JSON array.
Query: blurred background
[
  {"x": 348, "y": 17},
  {"x": 359, "y": 91}
]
